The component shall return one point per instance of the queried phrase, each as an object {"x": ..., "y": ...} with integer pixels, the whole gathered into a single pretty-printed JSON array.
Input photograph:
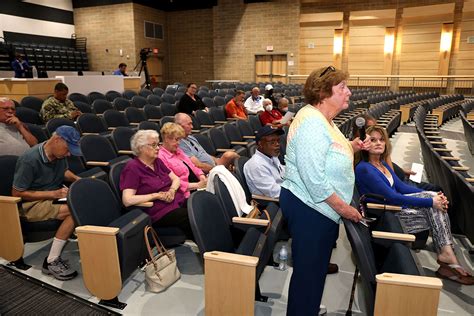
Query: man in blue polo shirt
[
  {"x": 39, "y": 176},
  {"x": 194, "y": 150}
]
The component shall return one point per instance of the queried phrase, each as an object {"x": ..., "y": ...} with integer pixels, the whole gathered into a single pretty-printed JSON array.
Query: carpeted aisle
[{"x": 23, "y": 295}]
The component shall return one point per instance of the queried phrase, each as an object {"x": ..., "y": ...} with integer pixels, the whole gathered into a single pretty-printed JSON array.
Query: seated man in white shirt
[
  {"x": 15, "y": 138},
  {"x": 253, "y": 104},
  {"x": 264, "y": 172}
]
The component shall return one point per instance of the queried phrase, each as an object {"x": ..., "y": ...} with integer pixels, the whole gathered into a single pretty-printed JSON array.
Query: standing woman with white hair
[{"x": 146, "y": 179}]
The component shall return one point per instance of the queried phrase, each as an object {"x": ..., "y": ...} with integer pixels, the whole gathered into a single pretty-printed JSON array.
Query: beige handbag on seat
[{"x": 161, "y": 270}]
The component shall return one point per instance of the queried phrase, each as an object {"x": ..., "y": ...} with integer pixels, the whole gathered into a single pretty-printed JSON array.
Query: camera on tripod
[{"x": 144, "y": 52}]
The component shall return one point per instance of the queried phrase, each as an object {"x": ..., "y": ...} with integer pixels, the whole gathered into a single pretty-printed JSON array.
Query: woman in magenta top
[
  {"x": 191, "y": 177},
  {"x": 147, "y": 179}
]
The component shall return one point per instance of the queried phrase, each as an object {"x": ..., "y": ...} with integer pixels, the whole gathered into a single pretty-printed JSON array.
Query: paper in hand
[
  {"x": 418, "y": 168},
  {"x": 287, "y": 117}
]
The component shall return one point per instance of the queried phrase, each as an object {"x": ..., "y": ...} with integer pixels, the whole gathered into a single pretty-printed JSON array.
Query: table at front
[{"x": 18, "y": 88}]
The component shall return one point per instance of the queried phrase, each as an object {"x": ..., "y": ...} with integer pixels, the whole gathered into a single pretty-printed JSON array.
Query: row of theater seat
[
  {"x": 445, "y": 170},
  {"x": 48, "y": 57},
  {"x": 467, "y": 117}
]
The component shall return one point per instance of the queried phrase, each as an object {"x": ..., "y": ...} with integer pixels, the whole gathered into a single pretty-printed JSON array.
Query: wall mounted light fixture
[
  {"x": 337, "y": 50},
  {"x": 389, "y": 40},
  {"x": 446, "y": 37}
]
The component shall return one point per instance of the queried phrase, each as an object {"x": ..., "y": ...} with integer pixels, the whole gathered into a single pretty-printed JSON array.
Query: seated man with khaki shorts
[{"x": 39, "y": 176}]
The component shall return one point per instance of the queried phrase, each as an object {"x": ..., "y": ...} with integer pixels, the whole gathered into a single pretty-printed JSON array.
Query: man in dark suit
[{"x": 20, "y": 66}]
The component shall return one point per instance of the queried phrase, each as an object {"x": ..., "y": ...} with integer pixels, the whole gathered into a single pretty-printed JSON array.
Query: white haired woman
[{"x": 147, "y": 179}]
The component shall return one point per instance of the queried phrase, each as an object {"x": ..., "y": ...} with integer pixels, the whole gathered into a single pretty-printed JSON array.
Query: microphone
[{"x": 360, "y": 123}]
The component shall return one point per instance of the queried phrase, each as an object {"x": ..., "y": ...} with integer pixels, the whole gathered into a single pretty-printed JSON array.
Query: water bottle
[
  {"x": 283, "y": 258},
  {"x": 35, "y": 72}
]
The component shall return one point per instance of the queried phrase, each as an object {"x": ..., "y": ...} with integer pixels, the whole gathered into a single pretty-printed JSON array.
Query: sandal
[{"x": 451, "y": 272}]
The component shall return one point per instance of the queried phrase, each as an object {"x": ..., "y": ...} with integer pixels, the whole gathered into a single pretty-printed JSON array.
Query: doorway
[
  {"x": 155, "y": 68},
  {"x": 271, "y": 68}
]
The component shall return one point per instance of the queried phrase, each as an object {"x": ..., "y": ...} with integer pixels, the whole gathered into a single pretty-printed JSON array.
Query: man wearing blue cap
[{"x": 39, "y": 176}]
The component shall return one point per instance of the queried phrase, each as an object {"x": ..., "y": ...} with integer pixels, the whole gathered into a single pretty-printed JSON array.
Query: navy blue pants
[{"x": 313, "y": 236}]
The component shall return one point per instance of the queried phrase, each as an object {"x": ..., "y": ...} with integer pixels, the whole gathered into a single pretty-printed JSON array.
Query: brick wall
[
  {"x": 107, "y": 28},
  {"x": 243, "y": 30},
  {"x": 156, "y": 64},
  {"x": 190, "y": 46}
]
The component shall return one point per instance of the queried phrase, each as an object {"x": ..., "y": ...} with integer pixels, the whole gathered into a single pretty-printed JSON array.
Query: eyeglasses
[
  {"x": 7, "y": 108},
  {"x": 153, "y": 145},
  {"x": 327, "y": 70}
]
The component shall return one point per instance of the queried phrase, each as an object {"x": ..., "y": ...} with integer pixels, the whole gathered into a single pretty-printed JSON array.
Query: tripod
[{"x": 147, "y": 74}]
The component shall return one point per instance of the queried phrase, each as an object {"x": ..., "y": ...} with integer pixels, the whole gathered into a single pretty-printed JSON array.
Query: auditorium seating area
[
  {"x": 45, "y": 57},
  {"x": 445, "y": 170},
  {"x": 109, "y": 121}
]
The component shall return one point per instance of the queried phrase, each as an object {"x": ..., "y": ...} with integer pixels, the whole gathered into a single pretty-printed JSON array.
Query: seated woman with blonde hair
[
  {"x": 147, "y": 179},
  {"x": 421, "y": 210},
  {"x": 191, "y": 177}
]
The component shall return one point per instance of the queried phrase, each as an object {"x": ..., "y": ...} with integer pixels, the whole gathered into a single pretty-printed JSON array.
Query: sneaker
[
  {"x": 322, "y": 310},
  {"x": 59, "y": 269}
]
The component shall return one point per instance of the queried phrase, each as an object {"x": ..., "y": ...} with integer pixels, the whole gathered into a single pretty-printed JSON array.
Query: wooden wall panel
[
  {"x": 420, "y": 49},
  {"x": 319, "y": 56},
  {"x": 366, "y": 56},
  {"x": 465, "y": 62}
]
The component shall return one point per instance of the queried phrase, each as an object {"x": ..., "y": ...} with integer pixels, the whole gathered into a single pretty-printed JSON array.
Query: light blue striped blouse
[{"x": 319, "y": 162}]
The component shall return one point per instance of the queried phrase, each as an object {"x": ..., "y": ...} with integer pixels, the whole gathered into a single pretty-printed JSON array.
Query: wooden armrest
[
  {"x": 239, "y": 143},
  {"x": 9, "y": 199},
  {"x": 393, "y": 236},
  {"x": 438, "y": 143},
  {"x": 450, "y": 158},
  {"x": 102, "y": 230},
  {"x": 264, "y": 198},
  {"x": 84, "y": 134},
  {"x": 195, "y": 131},
  {"x": 470, "y": 180},
  {"x": 248, "y": 137},
  {"x": 442, "y": 149},
  {"x": 145, "y": 204},
  {"x": 460, "y": 168},
  {"x": 410, "y": 280},
  {"x": 111, "y": 128},
  {"x": 154, "y": 120},
  {"x": 134, "y": 124},
  {"x": 250, "y": 221},
  {"x": 231, "y": 258},
  {"x": 376, "y": 206},
  {"x": 223, "y": 150},
  {"x": 125, "y": 152},
  {"x": 98, "y": 163},
  {"x": 220, "y": 122},
  {"x": 207, "y": 126}
]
